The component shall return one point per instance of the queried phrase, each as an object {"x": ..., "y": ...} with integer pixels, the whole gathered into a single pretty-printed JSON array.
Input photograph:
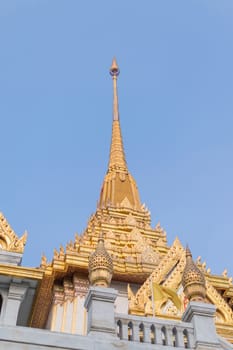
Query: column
[{"x": 16, "y": 295}]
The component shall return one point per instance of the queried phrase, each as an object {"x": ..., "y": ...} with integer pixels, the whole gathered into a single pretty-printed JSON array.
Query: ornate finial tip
[
  {"x": 188, "y": 251},
  {"x": 193, "y": 280},
  {"x": 114, "y": 70}
]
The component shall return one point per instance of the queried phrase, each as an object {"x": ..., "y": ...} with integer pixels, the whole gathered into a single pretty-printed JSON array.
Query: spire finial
[
  {"x": 188, "y": 251},
  {"x": 114, "y": 72},
  {"x": 193, "y": 279},
  {"x": 100, "y": 265}
]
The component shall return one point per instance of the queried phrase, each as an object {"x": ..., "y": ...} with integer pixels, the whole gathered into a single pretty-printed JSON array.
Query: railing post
[
  {"x": 125, "y": 330},
  {"x": 135, "y": 331},
  {"x": 99, "y": 303},
  {"x": 147, "y": 332},
  {"x": 158, "y": 335},
  {"x": 201, "y": 315},
  {"x": 169, "y": 335},
  {"x": 180, "y": 338}
]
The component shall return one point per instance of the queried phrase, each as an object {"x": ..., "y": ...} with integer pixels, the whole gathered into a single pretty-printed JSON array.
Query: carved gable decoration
[
  {"x": 169, "y": 273},
  {"x": 110, "y": 235},
  {"x": 130, "y": 220},
  {"x": 142, "y": 246},
  {"x": 149, "y": 256},
  {"x": 9, "y": 241},
  {"x": 126, "y": 203},
  {"x": 222, "y": 307},
  {"x": 135, "y": 235},
  {"x": 141, "y": 302}
]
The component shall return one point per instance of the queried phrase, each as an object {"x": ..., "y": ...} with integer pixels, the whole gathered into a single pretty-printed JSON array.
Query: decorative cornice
[{"x": 21, "y": 272}]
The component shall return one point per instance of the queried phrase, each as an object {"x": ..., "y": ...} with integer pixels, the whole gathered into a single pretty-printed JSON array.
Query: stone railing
[
  {"x": 155, "y": 331},
  {"x": 196, "y": 330}
]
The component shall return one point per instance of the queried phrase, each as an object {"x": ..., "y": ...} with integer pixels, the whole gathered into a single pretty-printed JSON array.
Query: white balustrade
[{"x": 152, "y": 330}]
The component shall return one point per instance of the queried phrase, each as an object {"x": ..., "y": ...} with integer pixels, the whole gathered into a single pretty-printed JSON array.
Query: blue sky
[{"x": 176, "y": 108}]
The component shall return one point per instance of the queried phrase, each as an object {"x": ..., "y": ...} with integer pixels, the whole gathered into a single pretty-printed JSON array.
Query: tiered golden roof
[
  {"x": 140, "y": 253},
  {"x": 134, "y": 246},
  {"x": 193, "y": 280}
]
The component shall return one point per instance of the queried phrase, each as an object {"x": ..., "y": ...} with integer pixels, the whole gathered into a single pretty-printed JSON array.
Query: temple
[{"x": 117, "y": 285}]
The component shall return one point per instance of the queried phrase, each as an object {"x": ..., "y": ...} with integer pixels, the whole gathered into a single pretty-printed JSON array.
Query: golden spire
[
  {"x": 193, "y": 280},
  {"x": 119, "y": 188},
  {"x": 117, "y": 155}
]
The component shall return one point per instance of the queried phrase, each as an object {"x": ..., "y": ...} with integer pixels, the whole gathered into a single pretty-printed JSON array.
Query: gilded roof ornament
[
  {"x": 193, "y": 280},
  {"x": 100, "y": 265},
  {"x": 9, "y": 241},
  {"x": 43, "y": 263}
]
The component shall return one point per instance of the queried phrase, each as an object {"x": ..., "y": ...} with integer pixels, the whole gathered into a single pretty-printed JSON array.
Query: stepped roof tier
[
  {"x": 135, "y": 247},
  {"x": 140, "y": 253}
]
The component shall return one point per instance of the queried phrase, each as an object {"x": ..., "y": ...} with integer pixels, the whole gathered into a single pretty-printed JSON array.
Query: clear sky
[{"x": 176, "y": 109}]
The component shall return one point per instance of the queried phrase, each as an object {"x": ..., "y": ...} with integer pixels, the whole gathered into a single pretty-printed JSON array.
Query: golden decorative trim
[
  {"x": 9, "y": 241},
  {"x": 141, "y": 303},
  {"x": 21, "y": 272},
  {"x": 219, "y": 302}
]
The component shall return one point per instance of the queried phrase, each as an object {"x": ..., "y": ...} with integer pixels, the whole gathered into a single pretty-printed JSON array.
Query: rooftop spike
[
  {"x": 117, "y": 155},
  {"x": 114, "y": 72},
  {"x": 119, "y": 187}
]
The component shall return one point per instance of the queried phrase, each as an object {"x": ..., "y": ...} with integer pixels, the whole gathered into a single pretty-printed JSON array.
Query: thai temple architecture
[{"x": 118, "y": 285}]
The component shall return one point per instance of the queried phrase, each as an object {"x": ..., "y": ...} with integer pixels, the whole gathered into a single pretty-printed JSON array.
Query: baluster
[
  {"x": 180, "y": 338},
  {"x": 136, "y": 331},
  {"x": 124, "y": 330},
  {"x": 169, "y": 336},
  {"x": 147, "y": 332},
  {"x": 158, "y": 335}
]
